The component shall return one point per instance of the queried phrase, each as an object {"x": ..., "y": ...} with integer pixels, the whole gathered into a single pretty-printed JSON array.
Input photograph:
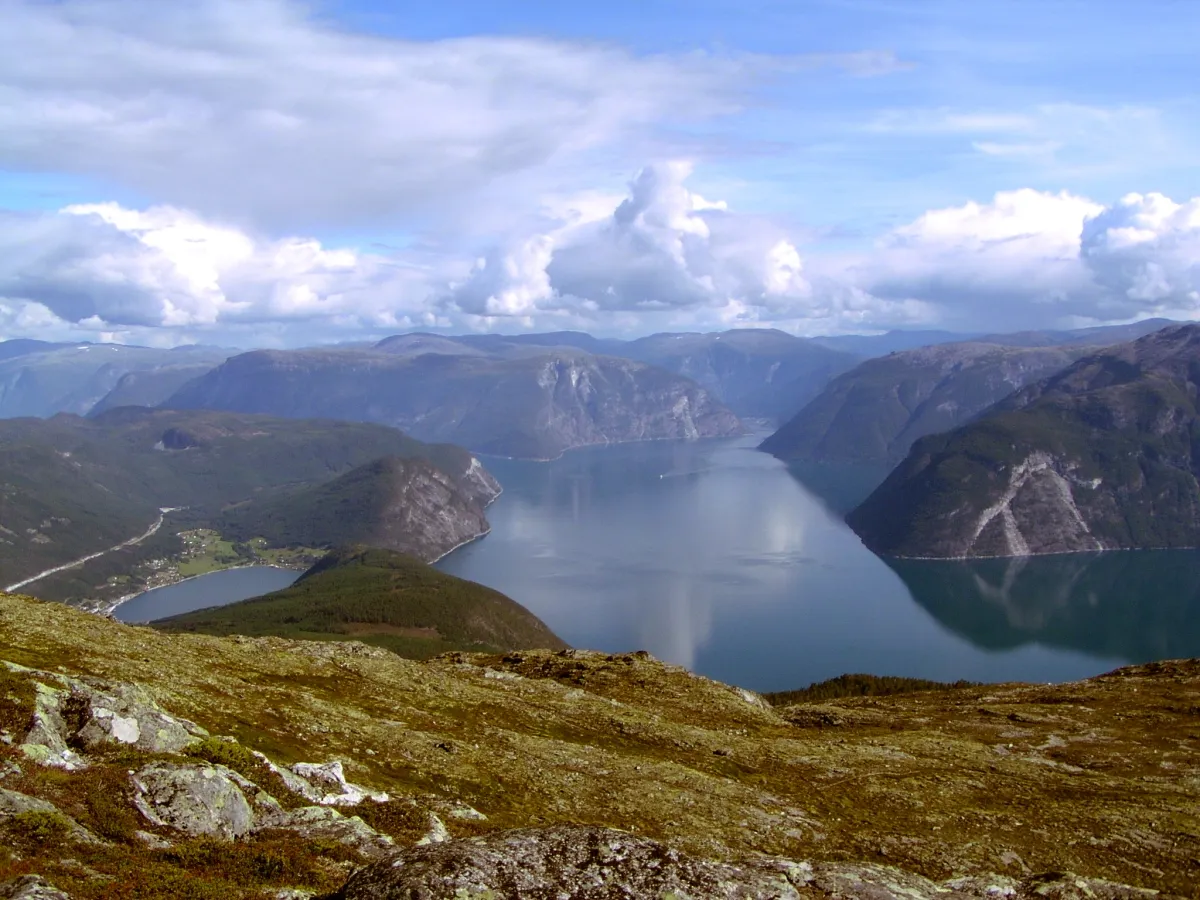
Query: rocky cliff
[
  {"x": 1102, "y": 455},
  {"x": 873, "y": 413},
  {"x": 533, "y": 406},
  {"x": 139, "y": 764}
]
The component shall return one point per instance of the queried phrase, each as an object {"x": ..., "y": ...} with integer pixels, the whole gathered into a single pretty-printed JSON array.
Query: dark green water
[{"x": 715, "y": 556}]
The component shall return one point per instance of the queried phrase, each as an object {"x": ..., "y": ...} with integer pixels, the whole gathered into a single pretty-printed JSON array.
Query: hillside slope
[
  {"x": 533, "y": 406},
  {"x": 73, "y": 486},
  {"x": 874, "y": 412},
  {"x": 1102, "y": 455},
  {"x": 383, "y": 598},
  {"x": 992, "y": 787}
]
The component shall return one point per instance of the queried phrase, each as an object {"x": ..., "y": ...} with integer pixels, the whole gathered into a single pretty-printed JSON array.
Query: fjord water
[
  {"x": 714, "y": 556},
  {"x": 213, "y": 589}
]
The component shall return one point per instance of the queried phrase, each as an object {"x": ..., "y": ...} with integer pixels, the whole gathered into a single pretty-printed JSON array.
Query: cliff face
[
  {"x": 535, "y": 406},
  {"x": 513, "y": 773},
  {"x": 873, "y": 413},
  {"x": 756, "y": 372},
  {"x": 1103, "y": 455}
]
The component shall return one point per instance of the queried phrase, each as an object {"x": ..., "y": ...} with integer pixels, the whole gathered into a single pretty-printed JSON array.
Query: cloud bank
[{"x": 662, "y": 256}]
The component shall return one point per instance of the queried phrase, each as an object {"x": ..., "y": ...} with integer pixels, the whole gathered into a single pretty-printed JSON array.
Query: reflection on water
[
  {"x": 1135, "y": 606},
  {"x": 712, "y": 555}
]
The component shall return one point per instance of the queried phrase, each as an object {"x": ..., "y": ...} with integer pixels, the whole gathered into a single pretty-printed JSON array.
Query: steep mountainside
[
  {"x": 72, "y": 486},
  {"x": 395, "y": 503},
  {"x": 757, "y": 372},
  {"x": 382, "y": 598},
  {"x": 39, "y": 379},
  {"x": 149, "y": 387},
  {"x": 474, "y": 775},
  {"x": 1103, "y": 455},
  {"x": 533, "y": 406},
  {"x": 873, "y": 413}
]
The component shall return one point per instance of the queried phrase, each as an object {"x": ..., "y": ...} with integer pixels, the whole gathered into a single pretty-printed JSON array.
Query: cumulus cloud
[
  {"x": 257, "y": 110},
  {"x": 1146, "y": 251},
  {"x": 662, "y": 248},
  {"x": 107, "y": 267},
  {"x": 660, "y": 257}
]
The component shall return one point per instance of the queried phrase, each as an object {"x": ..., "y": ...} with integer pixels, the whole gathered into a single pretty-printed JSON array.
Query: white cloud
[
  {"x": 662, "y": 257},
  {"x": 258, "y": 111},
  {"x": 1146, "y": 250}
]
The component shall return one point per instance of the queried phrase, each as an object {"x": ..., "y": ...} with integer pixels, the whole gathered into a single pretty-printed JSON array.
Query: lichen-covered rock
[
  {"x": 580, "y": 863},
  {"x": 125, "y": 713},
  {"x": 325, "y": 823},
  {"x": 31, "y": 887},
  {"x": 326, "y": 783},
  {"x": 194, "y": 799},
  {"x": 14, "y": 803},
  {"x": 73, "y": 712}
]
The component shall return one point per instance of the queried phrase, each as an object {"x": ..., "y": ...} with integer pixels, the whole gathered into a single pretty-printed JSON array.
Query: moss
[
  {"x": 235, "y": 756},
  {"x": 36, "y": 830},
  {"x": 16, "y": 702}
]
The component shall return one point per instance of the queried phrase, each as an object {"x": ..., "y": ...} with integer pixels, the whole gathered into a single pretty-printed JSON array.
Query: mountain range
[
  {"x": 530, "y": 403},
  {"x": 1102, "y": 455}
]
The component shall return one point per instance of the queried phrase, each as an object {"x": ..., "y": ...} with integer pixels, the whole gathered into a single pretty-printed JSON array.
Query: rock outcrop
[
  {"x": 1101, "y": 456},
  {"x": 535, "y": 405}
]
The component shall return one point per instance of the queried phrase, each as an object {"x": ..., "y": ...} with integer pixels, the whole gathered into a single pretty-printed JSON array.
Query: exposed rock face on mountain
[
  {"x": 41, "y": 379},
  {"x": 149, "y": 387},
  {"x": 385, "y": 599},
  {"x": 762, "y": 373},
  {"x": 873, "y": 413},
  {"x": 570, "y": 774},
  {"x": 1103, "y": 455},
  {"x": 533, "y": 406},
  {"x": 71, "y": 487}
]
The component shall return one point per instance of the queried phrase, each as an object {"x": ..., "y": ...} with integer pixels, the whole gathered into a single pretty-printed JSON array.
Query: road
[{"x": 162, "y": 514}]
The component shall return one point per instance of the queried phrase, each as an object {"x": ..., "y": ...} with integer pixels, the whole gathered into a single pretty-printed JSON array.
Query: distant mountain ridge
[
  {"x": 1102, "y": 455},
  {"x": 525, "y": 404}
]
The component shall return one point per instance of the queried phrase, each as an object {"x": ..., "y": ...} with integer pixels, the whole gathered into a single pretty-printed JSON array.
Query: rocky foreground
[{"x": 140, "y": 764}]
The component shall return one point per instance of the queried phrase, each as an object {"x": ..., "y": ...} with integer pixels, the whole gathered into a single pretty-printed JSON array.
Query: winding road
[{"x": 162, "y": 514}]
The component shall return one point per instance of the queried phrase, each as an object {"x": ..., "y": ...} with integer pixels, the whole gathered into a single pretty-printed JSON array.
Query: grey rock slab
[
  {"x": 325, "y": 823},
  {"x": 31, "y": 887},
  {"x": 194, "y": 799}
]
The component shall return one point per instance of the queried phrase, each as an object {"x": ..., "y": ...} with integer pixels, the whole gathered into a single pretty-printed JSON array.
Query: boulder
[
  {"x": 326, "y": 783},
  {"x": 31, "y": 887},
  {"x": 195, "y": 799},
  {"x": 325, "y": 823}
]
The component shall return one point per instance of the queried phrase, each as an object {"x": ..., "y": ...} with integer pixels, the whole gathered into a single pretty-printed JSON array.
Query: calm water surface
[
  {"x": 215, "y": 589},
  {"x": 714, "y": 556}
]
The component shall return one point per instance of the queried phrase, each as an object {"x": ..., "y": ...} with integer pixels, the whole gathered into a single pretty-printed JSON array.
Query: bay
[{"x": 213, "y": 589}]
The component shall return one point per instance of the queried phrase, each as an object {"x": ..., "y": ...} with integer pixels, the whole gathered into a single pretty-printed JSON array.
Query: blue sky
[{"x": 309, "y": 171}]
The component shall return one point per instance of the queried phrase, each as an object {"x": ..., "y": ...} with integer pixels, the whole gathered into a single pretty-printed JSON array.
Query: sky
[{"x": 281, "y": 173}]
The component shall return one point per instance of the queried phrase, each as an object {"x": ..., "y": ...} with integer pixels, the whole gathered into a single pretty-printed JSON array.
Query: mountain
[
  {"x": 872, "y": 345},
  {"x": 149, "y": 387},
  {"x": 1102, "y": 455},
  {"x": 395, "y": 503},
  {"x": 129, "y": 770},
  {"x": 382, "y": 598},
  {"x": 72, "y": 486},
  {"x": 41, "y": 379},
  {"x": 873, "y": 413},
  {"x": 532, "y": 405},
  {"x": 760, "y": 373}
]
